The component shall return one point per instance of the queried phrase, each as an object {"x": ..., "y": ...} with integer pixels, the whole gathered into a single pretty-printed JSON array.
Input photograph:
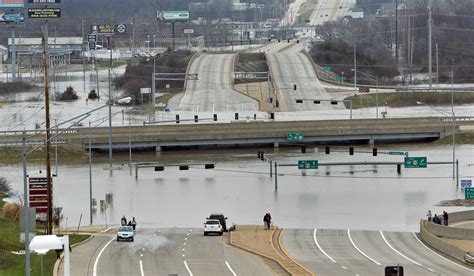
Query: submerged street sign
[
  {"x": 416, "y": 162},
  {"x": 307, "y": 164},
  {"x": 469, "y": 193},
  {"x": 295, "y": 136}
]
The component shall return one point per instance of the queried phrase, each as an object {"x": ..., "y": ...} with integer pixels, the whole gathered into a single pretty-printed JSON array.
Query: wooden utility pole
[{"x": 48, "y": 133}]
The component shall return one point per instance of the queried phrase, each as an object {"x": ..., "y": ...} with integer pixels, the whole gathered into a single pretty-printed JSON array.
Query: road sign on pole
[
  {"x": 465, "y": 183},
  {"x": 469, "y": 193},
  {"x": 416, "y": 162},
  {"x": 307, "y": 164},
  {"x": 326, "y": 69},
  {"x": 295, "y": 136}
]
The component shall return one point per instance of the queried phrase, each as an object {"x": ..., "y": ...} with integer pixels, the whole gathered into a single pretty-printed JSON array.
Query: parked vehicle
[
  {"x": 213, "y": 226},
  {"x": 125, "y": 233}
]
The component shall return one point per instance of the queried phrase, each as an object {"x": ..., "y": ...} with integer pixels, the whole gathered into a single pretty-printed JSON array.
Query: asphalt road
[
  {"x": 289, "y": 67},
  {"x": 356, "y": 252},
  {"x": 180, "y": 251},
  {"x": 212, "y": 92},
  {"x": 328, "y": 10}
]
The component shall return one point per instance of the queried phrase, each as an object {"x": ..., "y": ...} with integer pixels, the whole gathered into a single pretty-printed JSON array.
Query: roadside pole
[
  {"x": 13, "y": 56},
  {"x": 276, "y": 175}
]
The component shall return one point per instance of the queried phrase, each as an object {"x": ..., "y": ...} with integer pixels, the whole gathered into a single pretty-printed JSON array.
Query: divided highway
[
  {"x": 328, "y": 10},
  {"x": 212, "y": 92}
]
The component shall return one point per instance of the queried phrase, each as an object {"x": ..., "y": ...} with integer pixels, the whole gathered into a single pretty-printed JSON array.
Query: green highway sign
[
  {"x": 326, "y": 69},
  {"x": 307, "y": 164},
  {"x": 340, "y": 78},
  {"x": 396, "y": 153},
  {"x": 295, "y": 136},
  {"x": 469, "y": 193},
  {"x": 416, "y": 162}
]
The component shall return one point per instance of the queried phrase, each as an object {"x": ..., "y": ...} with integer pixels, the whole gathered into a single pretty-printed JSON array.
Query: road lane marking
[
  {"x": 317, "y": 244},
  {"x": 230, "y": 268},
  {"x": 141, "y": 268},
  {"x": 360, "y": 251},
  {"x": 434, "y": 252},
  {"x": 398, "y": 252},
  {"x": 187, "y": 268},
  {"x": 94, "y": 271}
]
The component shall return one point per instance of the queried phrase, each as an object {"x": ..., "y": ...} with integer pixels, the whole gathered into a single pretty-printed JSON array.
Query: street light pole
[
  {"x": 110, "y": 106},
  {"x": 90, "y": 174},
  {"x": 453, "y": 117},
  {"x": 377, "y": 97}
]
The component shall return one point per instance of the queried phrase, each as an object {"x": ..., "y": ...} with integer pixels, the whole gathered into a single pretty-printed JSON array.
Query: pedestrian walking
[
  {"x": 123, "y": 221},
  {"x": 134, "y": 223},
  {"x": 429, "y": 215},
  {"x": 445, "y": 218}
]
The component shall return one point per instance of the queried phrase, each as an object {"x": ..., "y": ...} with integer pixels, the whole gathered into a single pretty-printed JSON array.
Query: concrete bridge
[{"x": 250, "y": 133}]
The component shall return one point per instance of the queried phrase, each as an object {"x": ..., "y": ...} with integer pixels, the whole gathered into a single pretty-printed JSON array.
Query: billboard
[
  {"x": 38, "y": 193},
  {"x": 172, "y": 15},
  {"x": 12, "y": 3},
  {"x": 108, "y": 29},
  {"x": 44, "y": 2},
  {"x": 11, "y": 17},
  {"x": 44, "y": 13}
]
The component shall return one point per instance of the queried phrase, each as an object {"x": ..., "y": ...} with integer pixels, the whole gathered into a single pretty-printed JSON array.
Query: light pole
[
  {"x": 154, "y": 36},
  {"x": 148, "y": 40},
  {"x": 453, "y": 119},
  {"x": 376, "y": 92}
]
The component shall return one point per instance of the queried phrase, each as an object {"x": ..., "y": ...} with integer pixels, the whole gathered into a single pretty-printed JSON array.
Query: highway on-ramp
[{"x": 212, "y": 92}]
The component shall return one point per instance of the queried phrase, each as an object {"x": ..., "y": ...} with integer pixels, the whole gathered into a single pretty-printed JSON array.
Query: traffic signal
[
  {"x": 269, "y": 40},
  {"x": 177, "y": 119},
  {"x": 236, "y": 116},
  {"x": 195, "y": 118},
  {"x": 260, "y": 155},
  {"x": 214, "y": 117},
  {"x": 183, "y": 167},
  {"x": 272, "y": 116},
  {"x": 159, "y": 168},
  {"x": 209, "y": 166},
  {"x": 394, "y": 271},
  {"x": 297, "y": 41},
  {"x": 374, "y": 151},
  {"x": 316, "y": 102},
  {"x": 299, "y": 101},
  {"x": 328, "y": 150},
  {"x": 294, "y": 86},
  {"x": 288, "y": 40},
  {"x": 334, "y": 102},
  {"x": 303, "y": 149},
  {"x": 351, "y": 151}
]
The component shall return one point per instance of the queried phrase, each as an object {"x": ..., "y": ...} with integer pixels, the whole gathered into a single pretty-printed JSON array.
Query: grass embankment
[
  {"x": 13, "y": 87},
  {"x": 407, "y": 99},
  {"x": 12, "y": 264},
  {"x": 65, "y": 154},
  {"x": 462, "y": 138}
]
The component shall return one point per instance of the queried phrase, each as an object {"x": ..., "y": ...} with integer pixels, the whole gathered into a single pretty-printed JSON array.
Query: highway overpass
[{"x": 251, "y": 133}]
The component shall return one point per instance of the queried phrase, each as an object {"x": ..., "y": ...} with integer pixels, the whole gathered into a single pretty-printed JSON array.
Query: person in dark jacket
[
  {"x": 436, "y": 219},
  {"x": 445, "y": 218},
  {"x": 134, "y": 223},
  {"x": 123, "y": 221}
]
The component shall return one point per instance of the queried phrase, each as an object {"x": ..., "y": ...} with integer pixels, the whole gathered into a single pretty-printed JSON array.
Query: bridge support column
[
  {"x": 371, "y": 142},
  {"x": 158, "y": 148},
  {"x": 276, "y": 145}
]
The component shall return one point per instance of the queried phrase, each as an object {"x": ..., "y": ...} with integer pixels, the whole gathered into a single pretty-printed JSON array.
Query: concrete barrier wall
[
  {"x": 461, "y": 216},
  {"x": 440, "y": 244},
  {"x": 449, "y": 232}
]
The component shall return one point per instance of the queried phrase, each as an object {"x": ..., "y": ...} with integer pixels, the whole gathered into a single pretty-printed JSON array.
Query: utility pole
[
  {"x": 110, "y": 105},
  {"x": 437, "y": 64},
  {"x": 48, "y": 134},
  {"x": 430, "y": 29}
]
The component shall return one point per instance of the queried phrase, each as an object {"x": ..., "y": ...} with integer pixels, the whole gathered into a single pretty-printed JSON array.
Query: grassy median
[
  {"x": 407, "y": 99},
  {"x": 12, "y": 264}
]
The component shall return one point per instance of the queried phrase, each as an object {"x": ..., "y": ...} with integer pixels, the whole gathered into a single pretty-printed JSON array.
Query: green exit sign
[
  {"x": 307, "y": 164},
  {"x": 469, "y": 193},
  {"x": 416, "y": 162},
  {"x": 295, "y": 136},
  {"x": 326, "y": 69}
]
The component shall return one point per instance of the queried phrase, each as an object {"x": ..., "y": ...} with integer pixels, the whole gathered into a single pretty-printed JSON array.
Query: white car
[
  {"x": 213, "y": 226},
  {"x": 125, "y": 233}
]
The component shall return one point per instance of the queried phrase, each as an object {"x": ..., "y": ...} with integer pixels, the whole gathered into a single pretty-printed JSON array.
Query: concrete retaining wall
[
  {"x": 440, "y": 244},
  {"x": 461, "y": 216},
  {"x": 450, "y": 232}
]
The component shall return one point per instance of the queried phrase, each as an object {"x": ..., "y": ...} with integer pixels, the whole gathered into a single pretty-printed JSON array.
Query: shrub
[
  {"x": 67, "y": 95},
  {"x": 11, "y": 211}
]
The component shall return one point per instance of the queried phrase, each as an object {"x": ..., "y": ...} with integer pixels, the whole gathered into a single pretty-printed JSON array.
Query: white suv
[
  {"x": 213, "y": 226},
  {"x": 125, "y": 233}
]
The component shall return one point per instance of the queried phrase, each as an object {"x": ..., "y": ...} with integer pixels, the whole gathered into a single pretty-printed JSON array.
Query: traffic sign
[
  {"x": 307, "y": 164},
  {"x": 416, "y": 162},
  {"x": 121, "y": 28},
  {"x": 295, "y": 136},
  {"x": 465, "y": 183},
  {"x": 340, "y": 78},
  {"x": 327, "y": 69},
  {"x": 397, "y": 153},
  {"x": 469, "y": 193}
]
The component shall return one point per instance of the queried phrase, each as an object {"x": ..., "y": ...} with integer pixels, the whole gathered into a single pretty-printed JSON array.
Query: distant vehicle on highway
[
  {"x": 221, "y": 218},
  {"x": 125, "y": 233},
  {"x": 213, "y": 226}
]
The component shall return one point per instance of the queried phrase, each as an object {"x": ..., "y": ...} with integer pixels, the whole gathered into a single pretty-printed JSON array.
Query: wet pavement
[{"x": 370, "y": 198}]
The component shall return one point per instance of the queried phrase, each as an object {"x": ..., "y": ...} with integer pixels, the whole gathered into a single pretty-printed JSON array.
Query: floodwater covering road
[{"x": 368, "y": 197}]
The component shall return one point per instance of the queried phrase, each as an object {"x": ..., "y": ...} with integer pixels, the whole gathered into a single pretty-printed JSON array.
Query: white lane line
[
  {"x": 434, "y": 252},
  {"x": 141, "y": 268},
  {"x": 398, "y": 252},
  {"x": 317, "y": 244},
  {"x": 230, "y": 268},
  {"x": 94, "y": 271},
  {"x": 187, "y": 268},
  {"x": 360, "y": 251}
]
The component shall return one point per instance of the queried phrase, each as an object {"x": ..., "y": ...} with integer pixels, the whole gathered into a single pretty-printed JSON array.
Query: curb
[
  {"x": 58, "y": 261},
  {"x": 289, "y": 257}
]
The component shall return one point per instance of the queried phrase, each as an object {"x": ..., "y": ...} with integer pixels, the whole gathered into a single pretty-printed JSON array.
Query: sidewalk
[
  {"x": 82, "y": 256},
  {"x": 257, "y": 240}
]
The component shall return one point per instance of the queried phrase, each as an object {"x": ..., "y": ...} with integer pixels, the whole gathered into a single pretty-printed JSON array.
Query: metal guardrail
[{"x": 469, "y": 258}]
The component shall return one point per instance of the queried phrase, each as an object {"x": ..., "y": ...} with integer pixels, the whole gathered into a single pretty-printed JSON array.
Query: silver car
[{"x": 125, "y": 233}]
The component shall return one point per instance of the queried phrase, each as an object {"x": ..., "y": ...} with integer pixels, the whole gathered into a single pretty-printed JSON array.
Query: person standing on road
[
  {"x": 265, "y": 221},
  {"x": 134, "y": 223},
  {"x": 123, "y": 221},
  {"x": 429, "y": 215},
  {"x": 445, "y": 218}
]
